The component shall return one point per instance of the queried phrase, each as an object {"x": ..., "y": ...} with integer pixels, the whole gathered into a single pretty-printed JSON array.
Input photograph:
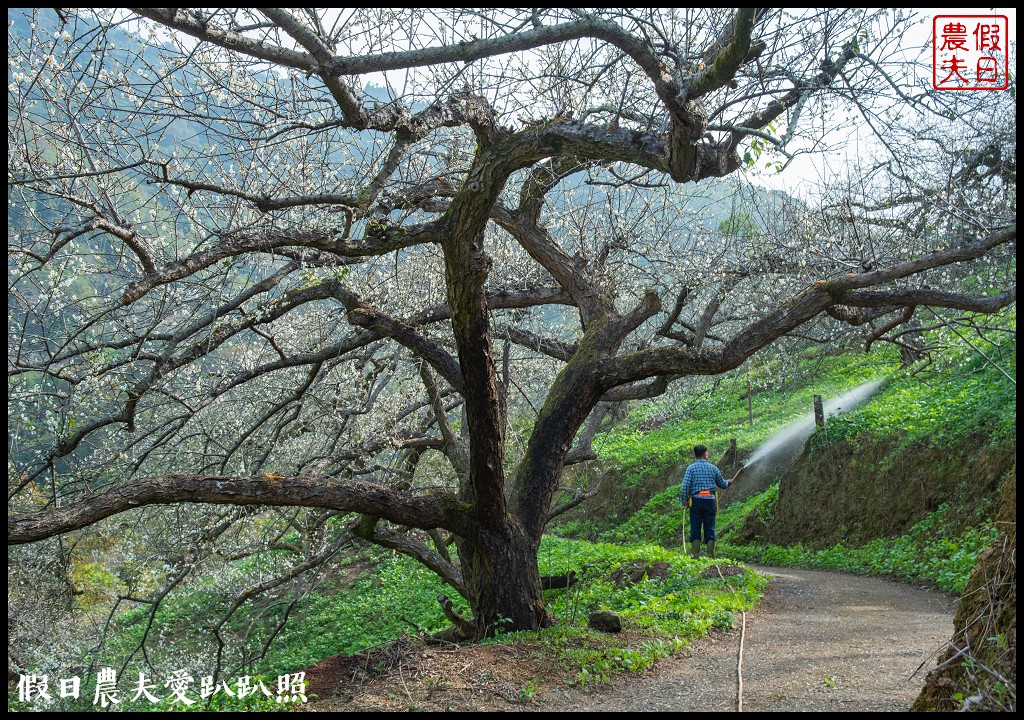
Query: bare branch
[{"x": 321, "y": 492}]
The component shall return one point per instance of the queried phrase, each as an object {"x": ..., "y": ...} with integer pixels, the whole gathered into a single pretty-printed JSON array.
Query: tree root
[{"x": 462, "y": 630}]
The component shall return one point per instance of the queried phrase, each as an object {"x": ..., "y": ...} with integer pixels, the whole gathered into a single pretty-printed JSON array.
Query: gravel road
[{"x": 820, "y": 642}]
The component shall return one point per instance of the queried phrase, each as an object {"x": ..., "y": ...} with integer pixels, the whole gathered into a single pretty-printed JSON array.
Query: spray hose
[
  {"x": 743, "y": 627},
  {"x": 739, "y": 660}
]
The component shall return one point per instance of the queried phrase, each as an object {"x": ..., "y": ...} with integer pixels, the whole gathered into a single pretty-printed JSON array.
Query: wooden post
[
  {"x": 733, "y": 451},
  {"x": 819, "y": 412}
]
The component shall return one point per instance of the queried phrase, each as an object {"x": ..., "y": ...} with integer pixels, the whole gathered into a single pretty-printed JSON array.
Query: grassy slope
[{"x": 929, "y": 450}]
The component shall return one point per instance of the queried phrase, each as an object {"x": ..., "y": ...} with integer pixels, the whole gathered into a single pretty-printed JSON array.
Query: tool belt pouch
[{"x": 704, "y": 494}]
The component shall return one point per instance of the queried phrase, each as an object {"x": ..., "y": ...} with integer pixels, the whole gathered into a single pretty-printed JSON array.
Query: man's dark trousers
[{"x": 702, "y": 514}]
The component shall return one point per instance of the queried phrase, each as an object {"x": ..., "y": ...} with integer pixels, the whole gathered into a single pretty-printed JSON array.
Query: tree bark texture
[{"x": 499, "y": 567}]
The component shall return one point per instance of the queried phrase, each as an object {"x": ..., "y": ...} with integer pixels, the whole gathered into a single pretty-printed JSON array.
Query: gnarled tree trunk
[{"x": 499, "y": 569}]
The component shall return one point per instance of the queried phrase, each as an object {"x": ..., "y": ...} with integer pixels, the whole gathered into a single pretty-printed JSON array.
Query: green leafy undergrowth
[
  {"x": 969, "y": 392},
  {"x": 661, "y": 521},
  {"x": 714, "y": 417},
  {"x": 684, "y": 603},
  {"x": 372, "y": 611},
  {"x": 933, "y": 552},
  {"x": 668, "y": 612},
  {"x": 592, "y": 657},
  {"x": 580, "y": 529},
  {"x": 734, "y": 515}
]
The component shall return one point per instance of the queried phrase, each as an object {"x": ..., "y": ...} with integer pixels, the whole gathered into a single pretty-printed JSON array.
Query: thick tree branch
[
  {"x": 931, "y": 298},
  {"x": 729, "y": 57},
  {"x": 961, "y": 253},
  {"x": 549, "y": 346},
  {"x": 321, "y": 54},
  {"x": 369, "y": 529},
  {"x": 568, "y": 272},
  {"x": 670, "y": 320},
  {"x": 903, "y": 317},
  {"x": 380, "y": 239},
  {"x": 640, "y": 391},
  {"x": 189, "y": 22},
  {"x": 620, "y": 327},
  {"x": 318, "y": 492},
  {"x": 813, "y": 300},
  {"x": 856, "y": 317},
  {"x": 439, "y": 358},
  {"x": 584, "y": 449}
]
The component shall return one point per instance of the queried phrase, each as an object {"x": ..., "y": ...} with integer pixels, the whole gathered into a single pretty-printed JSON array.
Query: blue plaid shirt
[{"x": 701, "y": 475}]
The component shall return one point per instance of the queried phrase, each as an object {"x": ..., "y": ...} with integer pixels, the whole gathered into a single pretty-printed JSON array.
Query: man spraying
[{"x": 699, "y": 493}]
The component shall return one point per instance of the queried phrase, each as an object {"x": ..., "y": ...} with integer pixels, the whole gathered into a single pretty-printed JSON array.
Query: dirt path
[{"x": 820, "y": 641}]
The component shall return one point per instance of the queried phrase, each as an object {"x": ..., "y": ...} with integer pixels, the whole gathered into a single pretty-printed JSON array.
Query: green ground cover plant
[
  {"x": 670, "y": 612},
  {"x": 685, "y": 604},
  {"x": 932, "y": 552},
  {"x": 713, "y": 417},
  {"x": 399, "y": 596},
  {"x": 970, "y": 394}
]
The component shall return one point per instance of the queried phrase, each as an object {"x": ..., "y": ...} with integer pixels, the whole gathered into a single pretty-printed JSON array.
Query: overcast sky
[{"x": 808, "y": 170}]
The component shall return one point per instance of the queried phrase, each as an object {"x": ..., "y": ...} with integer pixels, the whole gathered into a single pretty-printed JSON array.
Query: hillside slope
[
  {"x": 985, "y": 629},
  {"x": 856, "y": 492},
  {"x": 919, "y": 484}
]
